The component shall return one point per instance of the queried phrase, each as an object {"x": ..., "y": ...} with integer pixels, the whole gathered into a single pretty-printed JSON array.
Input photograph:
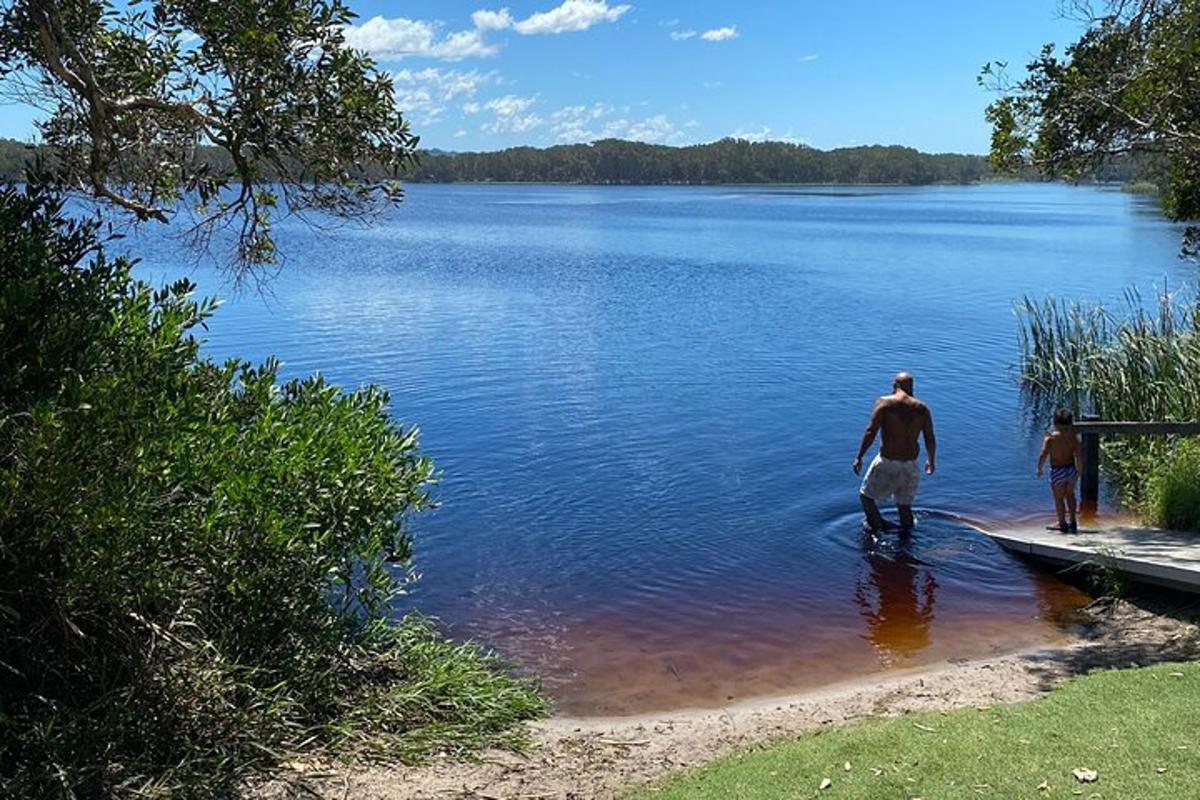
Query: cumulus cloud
[
  {"x": 759, "y": 135},
  {"x": 509, "y": 114},
  {"x": 428, "y": 91},
  {"x": 720, "y": 34},
  {"x": 393, "y": 39},
  {"x": 765, "y": 134},
  {"x": 492, "y": 20},
  {"x": 509, "y": 104},
  {"x": 571, "y": 124},
  {"x": 587, "y": 123},
  {"x": 569, "y": 16},
  {"x": 655, "y": 130}
]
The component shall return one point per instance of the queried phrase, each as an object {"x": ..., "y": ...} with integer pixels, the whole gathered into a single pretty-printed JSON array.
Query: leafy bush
[
  {"x": 1173, "y": 489},
  {"x": 197, "y": 562}
]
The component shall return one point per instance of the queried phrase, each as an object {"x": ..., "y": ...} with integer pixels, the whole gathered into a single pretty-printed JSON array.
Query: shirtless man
[{"x": 894, "y": 471}]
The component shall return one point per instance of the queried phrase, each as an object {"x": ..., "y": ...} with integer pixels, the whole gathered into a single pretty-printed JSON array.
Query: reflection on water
[
  {"x": 895, "y": 595},
  {"x": 945, "y": 591},
  {"x": 645, "y": 400}
]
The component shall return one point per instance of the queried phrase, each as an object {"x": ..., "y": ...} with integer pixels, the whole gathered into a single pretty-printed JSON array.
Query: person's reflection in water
[{"x": 895, "y": 597}]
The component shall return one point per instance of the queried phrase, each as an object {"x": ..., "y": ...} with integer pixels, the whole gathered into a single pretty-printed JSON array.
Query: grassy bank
[{"x": 1133, "y": 728}]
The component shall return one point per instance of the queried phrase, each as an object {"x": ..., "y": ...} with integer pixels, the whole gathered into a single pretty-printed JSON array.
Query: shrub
[
  {"x": 1173, "y": 489},
  {"x": 197, "y": 561}
]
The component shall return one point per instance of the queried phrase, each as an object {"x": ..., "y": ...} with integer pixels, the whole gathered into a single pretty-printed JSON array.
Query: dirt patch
[{"x": 605, "y": 758}]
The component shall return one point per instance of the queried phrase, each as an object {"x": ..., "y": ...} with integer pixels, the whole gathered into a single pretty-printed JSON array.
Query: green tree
[
  {"x": 1129, "y": 85},
  {"x": 136, "y": 90}
]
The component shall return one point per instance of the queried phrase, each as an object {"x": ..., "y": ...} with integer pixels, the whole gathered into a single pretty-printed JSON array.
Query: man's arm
[
  {"x": 930, "y": 443},
  {"x": 869, "y": 434}
]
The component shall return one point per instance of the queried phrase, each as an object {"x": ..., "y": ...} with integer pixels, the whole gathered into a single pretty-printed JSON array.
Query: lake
[{"x": 645, "y": 402}]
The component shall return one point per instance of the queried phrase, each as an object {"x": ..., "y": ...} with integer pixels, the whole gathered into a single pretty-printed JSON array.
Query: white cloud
[
  {"x": 809, "y": 57},
  {"x": 572, "y": 123},
  {"x": 518, "y": 123},
  {"x": 428, "y": 91},
  {"x": 656, "y": 130},
  {"x": 587, "y": 123},
  {"x": 760, "y": 135},
  {"x": 764, "y": 134},
  {"x": 393, "y": 39},
  {"x": 668, "y": 23},
  {"x": 458, "y": 134},
  {"x": 569, "y": 16},
  {"x": 720, "y": 34},
  {"x": 492, "y": 20},
  {"x": 691, "y": 123},
  {"x": 509, "y": 115},
  {"x": 713, "y": 84},
  {"x": 509, "y": 104},
  {"x": 680, "y": 36}
]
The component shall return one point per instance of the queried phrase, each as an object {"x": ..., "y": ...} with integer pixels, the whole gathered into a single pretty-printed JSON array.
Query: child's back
[{"x": 1063, "y": 445}]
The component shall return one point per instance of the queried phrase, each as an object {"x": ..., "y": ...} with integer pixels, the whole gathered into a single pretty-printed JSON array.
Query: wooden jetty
[{"x": 1149, "y": 555}]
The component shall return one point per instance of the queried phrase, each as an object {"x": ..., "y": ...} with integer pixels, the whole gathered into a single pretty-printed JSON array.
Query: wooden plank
[
  {"x": 1150, "y": 555},
  {"x": 1153, "y": 428}
]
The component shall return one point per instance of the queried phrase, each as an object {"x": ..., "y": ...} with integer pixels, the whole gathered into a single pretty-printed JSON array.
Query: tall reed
[{"x": 1141, "y": 362}]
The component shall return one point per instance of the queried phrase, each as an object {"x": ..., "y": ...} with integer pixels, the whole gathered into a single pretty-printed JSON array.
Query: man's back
[{"x": 903, "y": 419}]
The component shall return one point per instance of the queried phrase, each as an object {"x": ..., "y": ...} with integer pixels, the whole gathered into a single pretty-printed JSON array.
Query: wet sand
[{"x": 573, "y": 758}]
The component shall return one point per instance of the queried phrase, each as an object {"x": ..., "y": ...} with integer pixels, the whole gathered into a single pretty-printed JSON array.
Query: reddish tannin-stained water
[{"x": 645, "y": 403}]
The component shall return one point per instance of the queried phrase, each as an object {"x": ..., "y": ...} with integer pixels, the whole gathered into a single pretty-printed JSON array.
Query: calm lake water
[{"x": 645, "y": 402}]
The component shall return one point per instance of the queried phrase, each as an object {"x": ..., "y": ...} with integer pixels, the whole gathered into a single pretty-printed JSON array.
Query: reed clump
[{"x": 1138, "y": 362}]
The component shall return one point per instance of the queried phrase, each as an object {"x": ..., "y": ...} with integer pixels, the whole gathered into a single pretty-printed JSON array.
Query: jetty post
[
  {"x": 1091, "y": 428},
  {"x": 1089, "y": 481}
]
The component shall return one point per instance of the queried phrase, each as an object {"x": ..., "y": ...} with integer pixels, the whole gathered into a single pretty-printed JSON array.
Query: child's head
[{"x": 1063, "y": 417}]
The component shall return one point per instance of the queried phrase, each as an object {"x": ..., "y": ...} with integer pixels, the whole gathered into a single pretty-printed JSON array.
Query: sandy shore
[{"x": 606, "y": 757}]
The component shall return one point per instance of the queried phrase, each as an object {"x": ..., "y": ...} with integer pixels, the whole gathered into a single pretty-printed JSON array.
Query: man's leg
[
  {"x": 875, "y": 520},
  {"x": 906, "y": 517}
]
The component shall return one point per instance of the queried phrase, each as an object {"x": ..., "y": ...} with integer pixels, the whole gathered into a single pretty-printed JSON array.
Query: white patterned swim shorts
[{"x": 886, "y": 478}]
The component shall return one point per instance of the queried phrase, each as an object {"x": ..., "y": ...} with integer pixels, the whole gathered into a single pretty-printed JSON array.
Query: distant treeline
[
  {"x": 724, "y": 161},
  {"x": 613, "y": 161}
]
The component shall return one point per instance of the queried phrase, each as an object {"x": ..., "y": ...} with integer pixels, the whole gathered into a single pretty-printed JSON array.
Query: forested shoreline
[{"x": 620, "y": 162}]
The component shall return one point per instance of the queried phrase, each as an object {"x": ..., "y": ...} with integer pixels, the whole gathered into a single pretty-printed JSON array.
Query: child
[{"x": 1061, "y": 446}]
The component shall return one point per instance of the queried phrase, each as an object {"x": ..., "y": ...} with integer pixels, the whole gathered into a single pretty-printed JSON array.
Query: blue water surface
[{"x": 645, "y": 403}]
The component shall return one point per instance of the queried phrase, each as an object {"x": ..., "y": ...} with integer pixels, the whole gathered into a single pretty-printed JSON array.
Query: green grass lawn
[{"x": 1137, "y": 729}]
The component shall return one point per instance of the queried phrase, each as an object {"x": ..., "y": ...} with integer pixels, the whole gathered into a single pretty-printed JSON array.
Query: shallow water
[{"x": 645, "y": 402}]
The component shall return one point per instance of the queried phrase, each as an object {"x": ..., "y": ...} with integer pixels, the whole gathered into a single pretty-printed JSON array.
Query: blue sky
[{"x": 481, "y": 76}]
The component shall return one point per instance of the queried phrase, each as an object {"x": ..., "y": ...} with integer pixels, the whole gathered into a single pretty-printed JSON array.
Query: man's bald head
[{"x": 903, "y": 381}]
